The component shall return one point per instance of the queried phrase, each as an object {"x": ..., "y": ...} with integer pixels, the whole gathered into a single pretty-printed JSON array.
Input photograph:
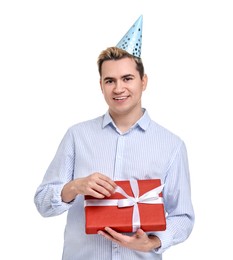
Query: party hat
[{"x": 132, "y": 40}]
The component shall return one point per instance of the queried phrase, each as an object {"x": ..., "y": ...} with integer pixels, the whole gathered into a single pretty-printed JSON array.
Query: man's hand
[
  {"x": 96, "y": 185},
  {"x": 139, "y": 241}
]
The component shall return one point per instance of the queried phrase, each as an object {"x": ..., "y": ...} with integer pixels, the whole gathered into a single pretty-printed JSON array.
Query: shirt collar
[{"x": 143, "y": 122}]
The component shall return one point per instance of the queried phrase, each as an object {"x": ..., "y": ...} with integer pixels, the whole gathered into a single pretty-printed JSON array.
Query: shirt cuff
[
  {"x": 56, "y": 201},
  {"x": 166, "y": 241}
]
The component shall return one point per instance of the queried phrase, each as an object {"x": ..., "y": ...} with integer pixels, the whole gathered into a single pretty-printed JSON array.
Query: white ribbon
[{"x": 150, "y": 197}]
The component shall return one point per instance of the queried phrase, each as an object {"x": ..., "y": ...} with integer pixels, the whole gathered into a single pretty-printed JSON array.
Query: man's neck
[{"x": 125, "y": 121}]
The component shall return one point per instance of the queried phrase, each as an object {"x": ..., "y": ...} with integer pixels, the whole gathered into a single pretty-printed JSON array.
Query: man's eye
[
  {"x": 108, "y": 81},
  {"x": 127, "y": 79}
]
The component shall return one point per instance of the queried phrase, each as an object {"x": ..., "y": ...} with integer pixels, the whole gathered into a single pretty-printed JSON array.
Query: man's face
[{"x": 122, "y": 86}]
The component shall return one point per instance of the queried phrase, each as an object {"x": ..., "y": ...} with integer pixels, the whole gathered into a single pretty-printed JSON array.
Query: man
[{"x": 122, "y": 144}]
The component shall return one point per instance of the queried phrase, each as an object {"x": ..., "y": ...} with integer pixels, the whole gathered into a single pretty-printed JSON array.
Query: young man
[{"x": 120, "y": 145}]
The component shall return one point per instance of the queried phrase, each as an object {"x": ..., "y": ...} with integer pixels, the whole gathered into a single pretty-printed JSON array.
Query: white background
[{"x": 49, "y": 81}]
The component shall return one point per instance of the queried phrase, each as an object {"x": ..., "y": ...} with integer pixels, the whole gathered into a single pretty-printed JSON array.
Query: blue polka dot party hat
[{"x": 132, "y": 40}]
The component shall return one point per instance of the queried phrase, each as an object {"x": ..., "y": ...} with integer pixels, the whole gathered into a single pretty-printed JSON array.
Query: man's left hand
[{"x": 139, "y": 241}]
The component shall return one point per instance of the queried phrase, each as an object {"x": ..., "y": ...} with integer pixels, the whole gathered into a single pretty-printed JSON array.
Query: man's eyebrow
[
  {"x": 122, "y": 77},
  {"x": 108, "y": 78},
  {"x": 127, "y": 75}
]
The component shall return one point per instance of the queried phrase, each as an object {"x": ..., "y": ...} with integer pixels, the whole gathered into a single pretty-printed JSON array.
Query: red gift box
[{"x": 125, "y": 212}]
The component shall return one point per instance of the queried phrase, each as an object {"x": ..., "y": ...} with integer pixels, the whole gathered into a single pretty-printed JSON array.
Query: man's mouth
[{"x": 120, "y": 98}]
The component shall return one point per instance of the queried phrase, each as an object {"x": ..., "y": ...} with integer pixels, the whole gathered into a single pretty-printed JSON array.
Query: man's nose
[{"x": 119, "y": 87}]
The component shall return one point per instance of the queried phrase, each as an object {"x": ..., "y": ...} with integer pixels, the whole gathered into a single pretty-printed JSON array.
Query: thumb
[{"x": 140, "y": 233}]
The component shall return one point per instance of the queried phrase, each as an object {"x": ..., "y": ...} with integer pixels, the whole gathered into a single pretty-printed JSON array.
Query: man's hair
[{"x": 114, "y": 53}]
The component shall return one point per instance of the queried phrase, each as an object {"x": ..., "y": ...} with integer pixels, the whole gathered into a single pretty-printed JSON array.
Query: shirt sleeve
[
  {"x": 177, "y": 202},
  {"x": 48, "y": 195}
]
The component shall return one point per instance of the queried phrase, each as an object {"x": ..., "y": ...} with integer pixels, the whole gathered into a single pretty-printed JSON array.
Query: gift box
[{"x": 135, "y": 204}]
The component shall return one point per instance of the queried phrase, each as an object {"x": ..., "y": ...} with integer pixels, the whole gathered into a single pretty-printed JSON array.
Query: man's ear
[{"x": 144, "y": 82}]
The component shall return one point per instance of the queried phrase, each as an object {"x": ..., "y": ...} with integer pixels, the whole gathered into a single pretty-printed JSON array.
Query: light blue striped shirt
[{"x": 146, "y": 151}]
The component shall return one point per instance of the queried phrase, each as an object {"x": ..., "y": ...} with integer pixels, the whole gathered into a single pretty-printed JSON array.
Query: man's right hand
[{"x": 96, "y": 185}]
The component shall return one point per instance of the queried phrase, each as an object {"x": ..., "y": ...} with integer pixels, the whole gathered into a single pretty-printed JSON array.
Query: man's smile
[{"x": 121, "y": 98}]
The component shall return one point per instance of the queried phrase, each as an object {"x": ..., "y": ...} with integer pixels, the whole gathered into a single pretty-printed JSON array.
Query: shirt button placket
[
  {"x": 118, "y": 175},
  {"x": 119, "y": 156},
  {"x": 115, "y": 251}
]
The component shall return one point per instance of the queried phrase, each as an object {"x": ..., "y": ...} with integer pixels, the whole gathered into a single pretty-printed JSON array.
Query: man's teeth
[{"x": 120, "y": 98}]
